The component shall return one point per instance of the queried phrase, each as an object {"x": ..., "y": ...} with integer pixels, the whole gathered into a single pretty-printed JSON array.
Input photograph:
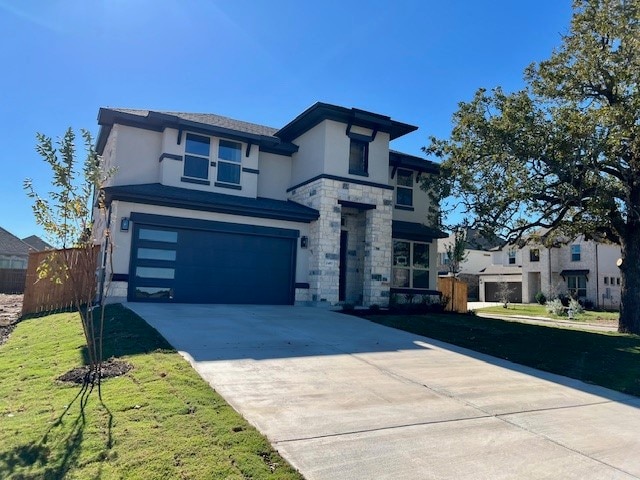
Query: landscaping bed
[
  {"x": 10, "y": 312},
  {"x": 534, "y": 310},
  {"x": 158, "y": 420}
]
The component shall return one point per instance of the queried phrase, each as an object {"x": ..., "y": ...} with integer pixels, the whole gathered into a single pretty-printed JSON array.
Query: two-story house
[
  {"x": 582, "y": 268},
  {"x": 207, "y": 209}
]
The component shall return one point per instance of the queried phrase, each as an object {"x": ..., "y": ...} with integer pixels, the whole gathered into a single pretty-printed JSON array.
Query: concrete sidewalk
[{"x": 344, "y": 398}]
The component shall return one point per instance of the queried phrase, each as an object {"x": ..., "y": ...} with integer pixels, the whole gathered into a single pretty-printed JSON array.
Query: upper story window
[
  {"x": 404, "y": 188},
  {"x": 575, "y": 253},
  {"x": 229, "y": 158},
  {"x": 534, "y": 255},
  {"x": 359, "y": 158},
  {"x": 196, "y": 158},
  {"x": 512, "y": 257}
]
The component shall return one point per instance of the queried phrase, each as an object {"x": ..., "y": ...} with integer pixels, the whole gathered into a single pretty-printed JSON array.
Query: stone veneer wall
[{"x": 324, "y": 238}]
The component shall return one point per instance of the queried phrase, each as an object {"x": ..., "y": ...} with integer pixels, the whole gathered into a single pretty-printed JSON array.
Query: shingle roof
[
  {"x": 12, "y": 245},
  {"x": 208, "y": 119},
  {"x": 157, "y": 194},
  {"x": 37, "y": 243},
  {"x": 415, "y": 231}
]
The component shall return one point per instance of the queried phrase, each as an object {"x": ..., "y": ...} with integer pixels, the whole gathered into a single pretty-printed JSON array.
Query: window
[
  {"x": 196, "y": 159},
  {"x": 534, "y": 255},
  {"x": 229, "y": 158},
  {"x": 410, "y": 264},
  {"x": 577, "y": 285},
  {"x": 444, "y": 258},
  {"x": 359, "y": 158},
  {"x": 606, "y": 280},
  {"x": 512, "y": 257},
  {"x": 404, "y": 189},
  {"x": 158, "y": 235},
  {"x": 617, "y": 280},
  {"x": 575, "y": 253}
]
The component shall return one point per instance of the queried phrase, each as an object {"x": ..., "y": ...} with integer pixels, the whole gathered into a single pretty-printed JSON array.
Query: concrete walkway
[{"x": 343, "y": 398}]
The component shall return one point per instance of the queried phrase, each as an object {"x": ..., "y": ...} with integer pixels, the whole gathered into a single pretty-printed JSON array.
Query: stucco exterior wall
[
  {"x": 134, "y": 155},
  {"x": 275, "y": 176},
  {"x": 421, "y": 201},
  {"x": 308, "y": 161}
]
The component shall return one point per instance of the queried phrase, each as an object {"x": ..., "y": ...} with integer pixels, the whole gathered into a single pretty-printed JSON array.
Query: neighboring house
[
  {"x": 207, "y": 209},
  {"x": 583, "y": 268},
  {"x": 478, "y": 257},
  {"x": 14, "y": 253},
  {"x": 36, "y": 243},
  {"x": 14, "y": 259}
]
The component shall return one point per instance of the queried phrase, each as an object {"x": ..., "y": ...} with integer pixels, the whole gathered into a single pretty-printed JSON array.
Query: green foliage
[
  {"x": 541, "y": 298},
  {"x": 555, "y": 307},
  {"x": 348, "y": 307},
  {"x": 160, "y": 420},
  {"x": 576, "y": 307},
  {"x": 562, "y": 154},
  {"x": 66, "y": 214},
  {"x": 456, "y": 251}
]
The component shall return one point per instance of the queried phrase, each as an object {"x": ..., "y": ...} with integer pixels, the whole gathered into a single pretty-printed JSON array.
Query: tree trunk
[{"x": 630, "y": 272}]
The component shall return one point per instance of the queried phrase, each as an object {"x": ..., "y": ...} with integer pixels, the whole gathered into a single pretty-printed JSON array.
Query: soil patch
[
  {"x": 10, "y": 311},
  {"x": 110, "y": 368}
]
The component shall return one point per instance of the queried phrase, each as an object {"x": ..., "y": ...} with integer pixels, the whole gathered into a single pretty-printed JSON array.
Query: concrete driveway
[{"x": 343, "y": 398}]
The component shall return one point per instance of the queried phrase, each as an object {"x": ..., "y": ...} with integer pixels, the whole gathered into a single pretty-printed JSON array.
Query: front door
[{"x": 342, "y": 278}]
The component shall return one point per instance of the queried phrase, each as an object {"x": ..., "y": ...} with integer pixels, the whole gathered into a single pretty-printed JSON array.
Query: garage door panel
[{"x": 214, "y": 266}]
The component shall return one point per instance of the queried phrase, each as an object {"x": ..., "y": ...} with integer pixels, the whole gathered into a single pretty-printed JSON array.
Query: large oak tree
[{"x": 564, "y": 153}]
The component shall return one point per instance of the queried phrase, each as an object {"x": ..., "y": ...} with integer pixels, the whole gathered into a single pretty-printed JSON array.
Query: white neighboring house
[
  {"x": 478, "y": 257},
  {"x": 584, "y": 268},
  {"x": 207, "y": 209}
]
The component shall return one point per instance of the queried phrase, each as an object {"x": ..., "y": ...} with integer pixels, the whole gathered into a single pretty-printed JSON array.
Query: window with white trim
[
  {"x": 229, "y": 159},
  {"x": 196, "y": 158},
  {"x": 410, "y": 264},
  {"x": 512, "y": 257},
  {"x": 404, "y": 188}
]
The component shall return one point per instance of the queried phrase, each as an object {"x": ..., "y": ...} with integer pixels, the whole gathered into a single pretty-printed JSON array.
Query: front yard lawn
[
  {"x": 535, "y": 310},
  {"x": 159, "y": 421},
  {"x": 608, "y": 359}
]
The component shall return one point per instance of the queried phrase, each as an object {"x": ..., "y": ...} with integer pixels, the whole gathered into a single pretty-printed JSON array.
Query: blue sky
[{"x": 259, "y": 61}]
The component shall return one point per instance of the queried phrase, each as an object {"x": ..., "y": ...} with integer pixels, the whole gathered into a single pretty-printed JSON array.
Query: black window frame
[
  {"x": 534, "y": 255},
  {"x": 410, "y": 266},
  {"x": 404, "y": 187},
  {"x": 225, "y": 161},
  {"x": 190, "y": 157},
  {"x": 577, "y": 254},
  {"x": 362, "y": 166}
]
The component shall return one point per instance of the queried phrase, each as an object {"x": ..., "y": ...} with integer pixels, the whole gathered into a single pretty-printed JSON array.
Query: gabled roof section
[
  {"x": 158, "y": 194},
  {"x": 411, "y": 162},
  {"x": 12, "y": 245},
  {"x": 36, "y": 243},
  {"x": 204, "y": 123},
  {"x": 319, "y": 111}
]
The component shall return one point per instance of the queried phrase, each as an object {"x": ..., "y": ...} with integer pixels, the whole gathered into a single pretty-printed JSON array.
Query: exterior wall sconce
[
  {"x": 304, "y": 242},
  {"x": 124, "y": 224}
]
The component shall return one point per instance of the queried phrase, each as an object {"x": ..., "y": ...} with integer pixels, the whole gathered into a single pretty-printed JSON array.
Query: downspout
[
  {"x": 597, "y": 279},
  {"x": 103, "y": 269}
]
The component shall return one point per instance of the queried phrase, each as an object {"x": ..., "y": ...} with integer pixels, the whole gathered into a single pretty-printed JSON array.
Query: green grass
[
  {"x": 535, "y": 310},
  {"x": 159, "y": 421},
  {"x": 608, "y": 359}
]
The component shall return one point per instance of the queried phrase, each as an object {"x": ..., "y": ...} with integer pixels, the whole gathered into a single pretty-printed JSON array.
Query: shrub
[
  {"x": 374, "y": 308},
  {"x": 541, "y": 298},
  {"x": 348, "y": 307},
  {"x": 555, "y": 307},
  {"x": 576, "y": 307}
]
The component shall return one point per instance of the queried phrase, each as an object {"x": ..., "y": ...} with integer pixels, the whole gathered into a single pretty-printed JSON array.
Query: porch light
[
  {"x": 304, "y": 242},
  {"x": 124, "y": 224}
]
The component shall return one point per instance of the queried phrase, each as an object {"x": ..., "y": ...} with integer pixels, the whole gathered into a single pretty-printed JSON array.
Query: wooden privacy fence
[
  {"x": 44, "y": 295},
  {"x": 12, "y": 280},
  {"x": 456, "y": 291}
]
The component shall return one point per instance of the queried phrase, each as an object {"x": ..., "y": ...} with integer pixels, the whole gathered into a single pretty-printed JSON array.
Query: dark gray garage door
[
  {"x": 492, "y": 292},
  {"x": 194, "y": 261}
]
